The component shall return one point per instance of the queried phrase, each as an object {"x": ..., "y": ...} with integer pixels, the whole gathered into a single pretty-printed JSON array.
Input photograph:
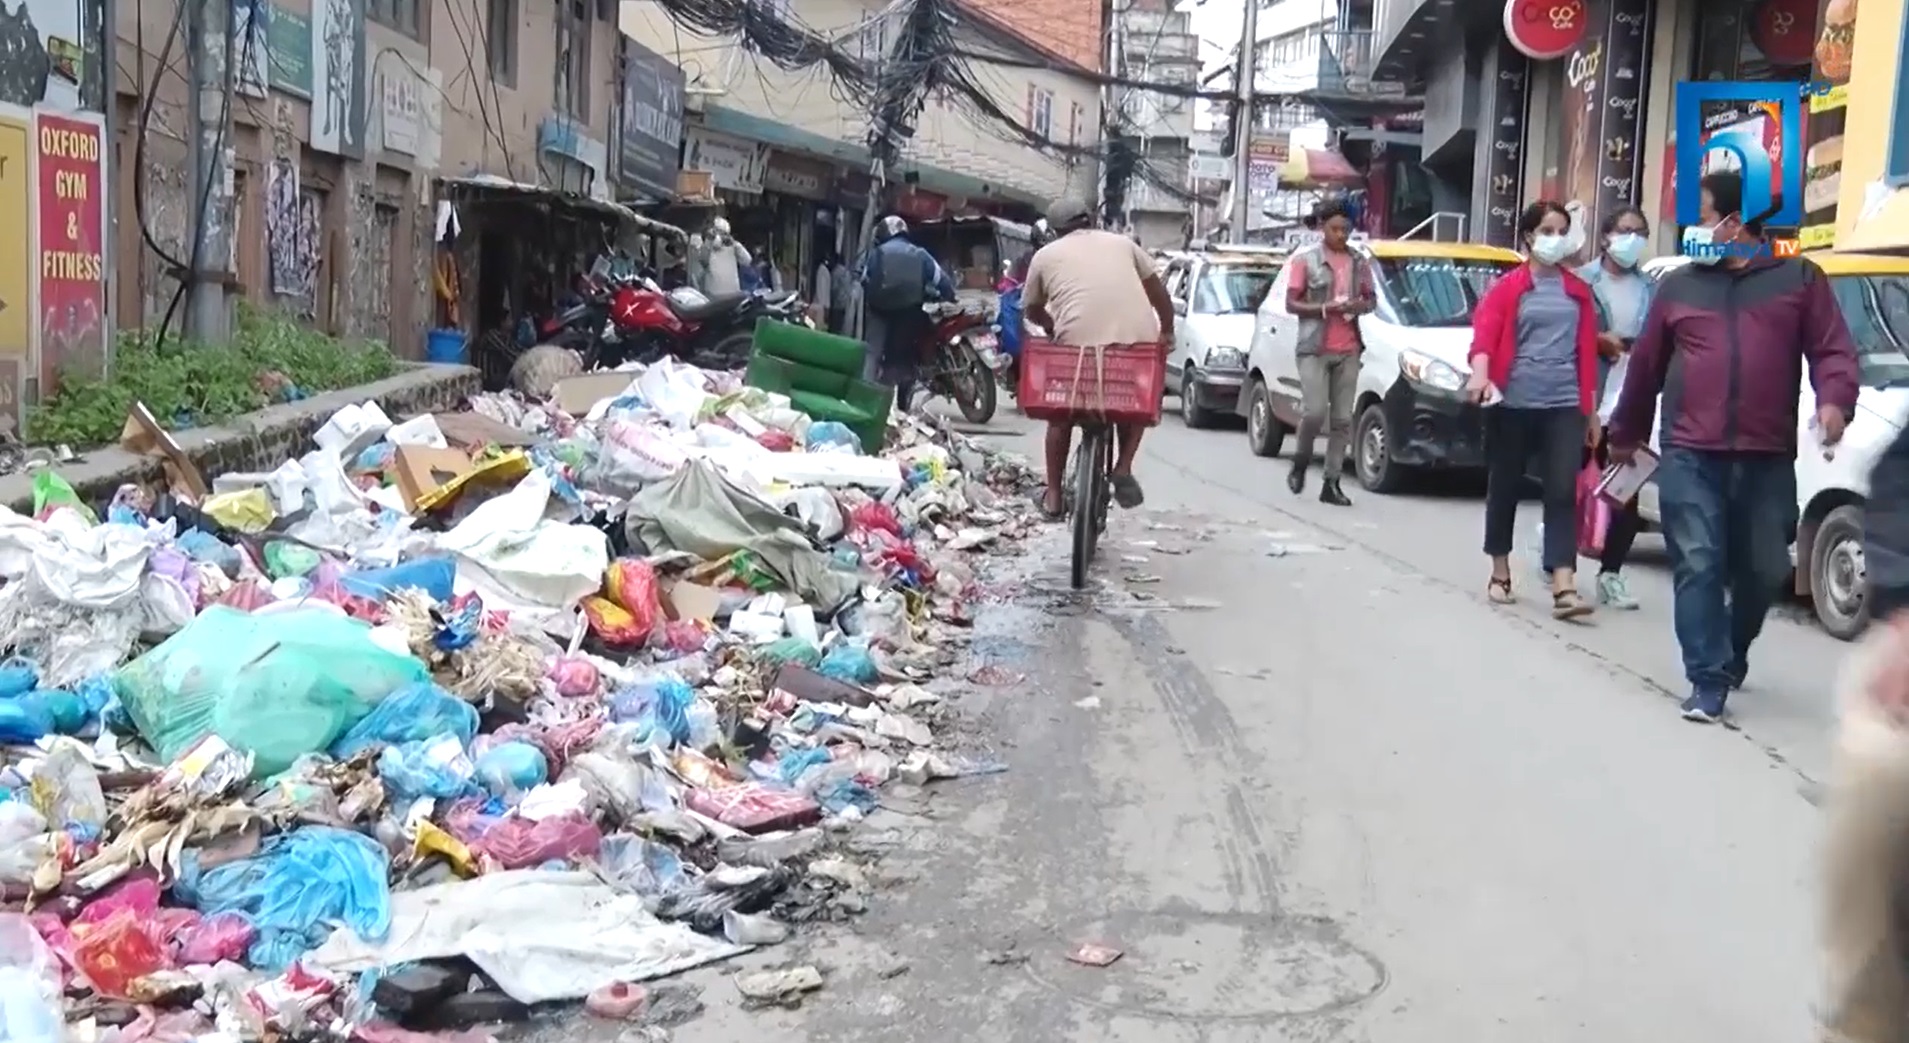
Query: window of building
[
  {"x": 1073, "y": 123},
  {"x": 1040, "y": 111},
  {"x": 401, "y": 15},
  {"x": 501, "y": 41},
  {"x": 571, "y": 89},
  {"x": 1896, "y": 162}
]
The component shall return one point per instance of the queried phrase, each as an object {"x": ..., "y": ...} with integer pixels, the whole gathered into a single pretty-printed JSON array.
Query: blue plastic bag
[
  {"x": 65, "y": 712},
  {"x": 204, "y": 547},
  {"x": 849, "y": 662},
  {"x": 509, "y": 768},
  {"x": 832, "y": 433},
  {"x": 297, "y": 888},
  {"x": 664, "y": 702},
  {"x": 23, "y": 721},
  {"x": 425, "y": 769},
  {"x": 422, "y": 711},
  {"x": 18, "y": 677},
  {"x": 434, "y": 576}
]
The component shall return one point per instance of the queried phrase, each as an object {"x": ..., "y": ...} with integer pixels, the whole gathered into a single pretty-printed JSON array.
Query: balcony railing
[{"x": 1345, "y": 64}]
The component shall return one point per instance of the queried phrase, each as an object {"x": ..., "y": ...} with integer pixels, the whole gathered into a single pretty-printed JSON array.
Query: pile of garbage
[{"x": 472, "y": 712}]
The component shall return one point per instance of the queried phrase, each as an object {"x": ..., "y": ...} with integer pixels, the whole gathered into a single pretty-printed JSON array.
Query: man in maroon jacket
[{"x": 1724, "y": 342}]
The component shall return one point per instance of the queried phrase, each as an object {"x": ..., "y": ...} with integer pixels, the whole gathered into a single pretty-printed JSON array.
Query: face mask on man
[
  {"x": 1625, "y": 249},
  {"x": 1550, "y": 249},
  {"x": 1696, "y": 238}
]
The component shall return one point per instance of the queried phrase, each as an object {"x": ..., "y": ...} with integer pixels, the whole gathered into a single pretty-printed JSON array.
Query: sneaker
[
  {"x": 1738, "y": 671},
  {"x": 1612, "y": 592},
  {"x": 1705, "y": 707}
]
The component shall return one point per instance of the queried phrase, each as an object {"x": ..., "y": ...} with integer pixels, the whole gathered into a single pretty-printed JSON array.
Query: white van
[
  {"x": 1874, "y": 293},
  {"x": 1411, "y": 412}
]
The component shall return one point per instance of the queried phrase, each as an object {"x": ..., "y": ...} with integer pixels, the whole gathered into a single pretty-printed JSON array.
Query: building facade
[
  {"x": 1152, "y": 43},
  {"x": 788, "y": 158},
  {"x": 1873, "y": 205}
]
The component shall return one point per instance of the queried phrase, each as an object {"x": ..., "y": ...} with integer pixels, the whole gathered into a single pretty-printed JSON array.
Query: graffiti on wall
[
  {"x": 49, "y": 54},
  {"x": 338, "y": 77}
]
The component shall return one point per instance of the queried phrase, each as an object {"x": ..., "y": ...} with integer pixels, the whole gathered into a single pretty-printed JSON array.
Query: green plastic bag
[
  {"x": 286, "y": 559},
  {"x": 791, "y": 650},
  {"x": 50, "y": 490},
  {"x": 279, "y": 685}
]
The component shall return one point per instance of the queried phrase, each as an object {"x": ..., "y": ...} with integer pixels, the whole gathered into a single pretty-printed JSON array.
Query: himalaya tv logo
[{"x": 1764, "y": 141}]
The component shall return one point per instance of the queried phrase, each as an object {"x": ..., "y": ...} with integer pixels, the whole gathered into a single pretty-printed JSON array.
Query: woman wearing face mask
[
  {"x": 1623, "y": 296},
  {"x": 1534, "y": 360}
]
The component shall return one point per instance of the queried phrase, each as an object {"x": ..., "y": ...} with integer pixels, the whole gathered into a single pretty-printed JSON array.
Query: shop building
[
  {"x": 1150, "y": 42},
  {"x": 1873, "y": 199},
  {"x": 787, "y": 160}
]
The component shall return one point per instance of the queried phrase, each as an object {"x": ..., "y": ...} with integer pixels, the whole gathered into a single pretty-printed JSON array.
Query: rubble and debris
[{"x": 463, "y": 713}]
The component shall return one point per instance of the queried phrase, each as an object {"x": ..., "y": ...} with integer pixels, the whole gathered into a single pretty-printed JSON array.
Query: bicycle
[{"x": 1093, "y": 492}]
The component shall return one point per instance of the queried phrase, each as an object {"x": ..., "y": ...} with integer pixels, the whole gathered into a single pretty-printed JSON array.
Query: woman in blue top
[{"x": 1623, "y": 295}]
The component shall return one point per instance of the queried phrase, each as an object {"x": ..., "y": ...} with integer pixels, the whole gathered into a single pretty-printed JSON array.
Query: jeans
[
  {"x": 1729, "y": 519},
  {"x": 1554, "y": 438},
  {"x": 1328, "y": 388}
]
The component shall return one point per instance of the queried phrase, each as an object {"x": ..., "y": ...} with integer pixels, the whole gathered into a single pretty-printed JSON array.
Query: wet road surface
[{"x": 1288, "y": 760}]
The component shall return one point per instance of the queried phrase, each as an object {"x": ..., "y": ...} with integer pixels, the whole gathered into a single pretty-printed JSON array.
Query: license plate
[{"x": 985, "y": 343}]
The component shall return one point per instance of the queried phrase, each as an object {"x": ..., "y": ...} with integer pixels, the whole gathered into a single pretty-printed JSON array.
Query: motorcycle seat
[
  {"x": 720, "y": 304},
  {"x": 778, "y": 297}
]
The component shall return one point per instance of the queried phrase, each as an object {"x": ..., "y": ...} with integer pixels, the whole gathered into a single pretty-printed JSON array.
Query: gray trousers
[{"x": 1329, "y": 386}]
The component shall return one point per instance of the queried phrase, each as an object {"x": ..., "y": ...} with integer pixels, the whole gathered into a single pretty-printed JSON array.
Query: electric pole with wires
[
  {"x": 209, "y": 38},
  {"x": 905, "y": 76},
  {"x": 1243, "y": 129}
]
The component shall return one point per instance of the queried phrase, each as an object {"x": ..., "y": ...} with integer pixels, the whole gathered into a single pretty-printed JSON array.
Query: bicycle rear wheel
[{"x": 1090, "y": 480}]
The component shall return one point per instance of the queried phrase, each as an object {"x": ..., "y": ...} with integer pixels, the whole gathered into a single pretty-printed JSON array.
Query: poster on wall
[
  {"x": 1580, "y": 115},
  {"x": 732, "y": 163},
  {"x": 49, "y": 54},
  {"x": 71, "y": 208},
  {"x": 1830, "y": 58},
  {"x": 338, "y": 77},
  {"x": 1504, "y": 166},
  {"x": 1621, "y": 116}
]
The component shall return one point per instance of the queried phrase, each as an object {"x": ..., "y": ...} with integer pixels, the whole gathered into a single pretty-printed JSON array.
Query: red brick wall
[{"x": 1069, "y": 28}]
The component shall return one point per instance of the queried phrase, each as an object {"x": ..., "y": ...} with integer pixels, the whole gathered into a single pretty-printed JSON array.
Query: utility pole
[
  {"x": 1243, "y": 129},
  {"x": 893, "y": 116},
  {"x": 210, "y": 116}
]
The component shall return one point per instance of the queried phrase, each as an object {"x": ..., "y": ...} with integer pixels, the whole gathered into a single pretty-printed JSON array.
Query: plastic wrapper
[
  {"x": 681, "y": 636},
  {"x": 832, "y": 434},
  {"x": 437, "y": 768},
  {"x": 118, "y": 951},
  {"x": 791, "y": 650},
  {"x": 66, "y": 789},
  {"x": 631, "y": 583},
  {"x": 414, "y": 714},
  {"x": 18, "y": 676},
  {"x": 634, "y": 453},
  {"x": 849, "y": 662},
  {"x": 434, "y": 576},
  {"x": 776, "y": 441},
  {"x": 874, "y": 516},
  {"x": 518, "y": 843},
  {"x": 277, "y": 685},
  {"x": 613, "y": 623},
  {"x": 297, "y": 888},
  {"x": 574, "y": 676},
  {"x": 509, "y": 768},
  {"x": 52, "y": 493},
  {"x": 207, "y": 548},
  {"x": 24, "y": 842},
  {"x": 247, "y": 595},
  {"x": 29, "y": 984},
  {"x": 216, "y": 938},
  {"x": 284, "y": 558}
]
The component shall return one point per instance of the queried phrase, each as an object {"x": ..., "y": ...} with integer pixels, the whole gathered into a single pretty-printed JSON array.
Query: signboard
[
  {"x": 732, "y": 163},
  {"x": 401, "y": 106},
  {"x": 72, "y": 244},
  {"x": 16, "y": 282},
  {"x": 1204, "y": 167},
  {"x": 798, "y": 176},
  {"x": 1264, "y": 156},
  {"x": 288, "y": 45},
  {"x": 1504, "y": 165},
  {"x": 1620, "y": 161},
  {"x": 1545, "y": 29},
  {"x": 649, "y": 124}
]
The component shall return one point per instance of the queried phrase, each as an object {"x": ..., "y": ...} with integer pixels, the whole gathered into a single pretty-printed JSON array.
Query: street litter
[
  {"x": 1087, "y": 954},
  {"x": 462, "y": 713}
]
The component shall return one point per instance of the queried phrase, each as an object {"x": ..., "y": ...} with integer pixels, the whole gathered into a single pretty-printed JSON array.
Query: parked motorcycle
[
  {"x": 958, "y": 362},
  {"x": 714, "y": 332}
]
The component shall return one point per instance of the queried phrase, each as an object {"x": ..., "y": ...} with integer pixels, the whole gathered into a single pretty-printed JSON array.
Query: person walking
[
  {"x": 1623, "y": 296},
  {"x": 721, "y": 260},
  {"x": 1330, "y": 287},
  {"x": 897, "y": 278},
  {"x": 821, "y": 294},
  {"x": 1534, "y": 361},
  {"x": 1725, "y": 342}
]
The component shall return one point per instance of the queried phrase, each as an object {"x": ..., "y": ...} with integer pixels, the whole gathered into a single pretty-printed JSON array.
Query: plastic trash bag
[
  {"x": 298, "y": 887},
  {"x": 18, "y": 676},
  {"x": 791, "y": 650},
  {"x": 663, "y": 704},
  {"x": 631, "y": 583},
  {"x": 24, "y": 843},
  {"x": 832, "y": 434},
  {"x": 616, "y": 625},
  {"x": 66, "y": 713},
  {"x": 439, "y": 769},
  {"x": 51, "y": 492},
  {"x": 117, "y": 952},
  {"x": 509, "y": 768},
  {"x": 216, "y": 938},
  {"x": 849, "y": 662},
  {"x": 23, "y": 721},
  {"x": 574, "y": 676},
  {"x": 66, "y": 789},
  {"x": 284, "y": 558},
  {"x": 434, "y": 576},
  {"x": 277, "y": 685},
  {"x": 414, "y": 714},
  {"x": 30, "y": 1009},
  {"x": 1594, "y": 512},
  {"x": 517, "y": 843},
  {"x": 205, "y": 547}
]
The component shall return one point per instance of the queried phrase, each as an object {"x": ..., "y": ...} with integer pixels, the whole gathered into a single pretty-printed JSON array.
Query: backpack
[{"x": 894, "y": 281}]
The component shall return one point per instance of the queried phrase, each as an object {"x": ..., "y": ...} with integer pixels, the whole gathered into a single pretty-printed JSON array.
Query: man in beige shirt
[{"x": 1090, "y": 288}]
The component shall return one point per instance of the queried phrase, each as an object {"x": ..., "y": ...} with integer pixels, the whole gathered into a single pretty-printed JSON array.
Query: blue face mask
[{"x": 1625, "y": 249}]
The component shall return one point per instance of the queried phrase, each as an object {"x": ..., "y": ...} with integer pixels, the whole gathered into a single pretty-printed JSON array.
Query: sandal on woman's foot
[
  {"x": 1498, "y": 591},
  {"x": 1569, "y": 604}
]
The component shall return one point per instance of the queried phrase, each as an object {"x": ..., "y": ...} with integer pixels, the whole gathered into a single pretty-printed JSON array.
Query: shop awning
[
  {"x": 1317, "y": 168},
  {"x": 491, "y": 184}
]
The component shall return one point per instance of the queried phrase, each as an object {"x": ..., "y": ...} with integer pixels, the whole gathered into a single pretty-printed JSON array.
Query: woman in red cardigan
[{"x": 1534, "y": 362}]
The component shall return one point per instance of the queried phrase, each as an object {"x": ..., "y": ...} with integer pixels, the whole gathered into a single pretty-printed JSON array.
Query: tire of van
[
  {"x": 1838, "y": 583},
  {"x": 1265, "y": 434},
  {"x": 1385, "y": 474}
]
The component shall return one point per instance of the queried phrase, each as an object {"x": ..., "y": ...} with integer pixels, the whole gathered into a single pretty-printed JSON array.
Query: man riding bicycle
[{"x": 1092, "y": 288}]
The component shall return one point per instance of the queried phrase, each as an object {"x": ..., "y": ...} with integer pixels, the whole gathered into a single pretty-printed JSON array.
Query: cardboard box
[
  {"x": 576, "y": 395},
  {"x": 422, "y": 470},
  {"x": 685, "y": 600},
  {"x": 143, "y": 435}
]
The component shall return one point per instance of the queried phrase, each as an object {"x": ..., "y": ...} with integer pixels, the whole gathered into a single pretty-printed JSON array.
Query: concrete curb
[{"x": 257, "y": 441}]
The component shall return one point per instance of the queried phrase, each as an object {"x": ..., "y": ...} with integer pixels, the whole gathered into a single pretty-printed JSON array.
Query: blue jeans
[{"x": 1729, "y": 519}]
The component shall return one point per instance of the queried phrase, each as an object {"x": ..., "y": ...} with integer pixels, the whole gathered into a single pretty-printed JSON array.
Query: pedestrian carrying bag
[
  {"x": 1594, "y": 512},
  {"x": 894, "y": 281}
]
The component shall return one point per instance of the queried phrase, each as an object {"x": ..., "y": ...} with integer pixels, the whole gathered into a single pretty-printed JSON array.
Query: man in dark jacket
[
  {"x": 897, "y": 278},
  {"x": 1724, "y": 342}
]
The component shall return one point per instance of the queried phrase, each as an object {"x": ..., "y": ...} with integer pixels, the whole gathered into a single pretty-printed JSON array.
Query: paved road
[{"x": 1333, "y": 795}]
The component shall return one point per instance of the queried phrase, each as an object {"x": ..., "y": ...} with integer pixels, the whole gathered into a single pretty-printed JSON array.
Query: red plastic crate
[{"x": 1118, "y": 383}]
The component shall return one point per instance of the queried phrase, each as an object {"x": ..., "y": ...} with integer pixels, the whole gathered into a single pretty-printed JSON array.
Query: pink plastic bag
[
  {"x": 516, "y": 843},
  {"x": 1594, "y": 514},
  {"x": 221, "y": 936}
]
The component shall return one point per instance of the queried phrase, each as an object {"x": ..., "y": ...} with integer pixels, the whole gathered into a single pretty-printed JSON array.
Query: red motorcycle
[
  {"x": 713, "y": 332},
  {"x": 956, "y": 363}
]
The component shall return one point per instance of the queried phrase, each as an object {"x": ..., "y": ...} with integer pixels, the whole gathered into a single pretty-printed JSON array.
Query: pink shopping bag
[{"x": 1594, "y": 512}]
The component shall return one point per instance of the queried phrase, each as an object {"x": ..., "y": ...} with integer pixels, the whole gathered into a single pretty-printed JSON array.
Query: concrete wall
[{"x": 946, "y": 136}]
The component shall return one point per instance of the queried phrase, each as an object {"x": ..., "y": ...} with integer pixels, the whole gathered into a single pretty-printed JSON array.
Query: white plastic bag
[
  {"x": 675, "y": 390},
  {"x": 634, "y": 454},
  {"x": 24, "y": 844}
]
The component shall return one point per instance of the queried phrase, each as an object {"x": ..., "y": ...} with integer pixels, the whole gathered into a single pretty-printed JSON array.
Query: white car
[
  {"x": 1874, "y": 293},
  {"x": 1411, "y": 410},
  {"x": 1214, "y": 293}
]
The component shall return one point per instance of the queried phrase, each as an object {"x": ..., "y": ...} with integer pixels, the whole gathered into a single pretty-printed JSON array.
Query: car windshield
[
  {"x": 1437, "y": 291},
  {"x": 1877, "y": 310},
  {"x": 1231, "y": 289}
]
